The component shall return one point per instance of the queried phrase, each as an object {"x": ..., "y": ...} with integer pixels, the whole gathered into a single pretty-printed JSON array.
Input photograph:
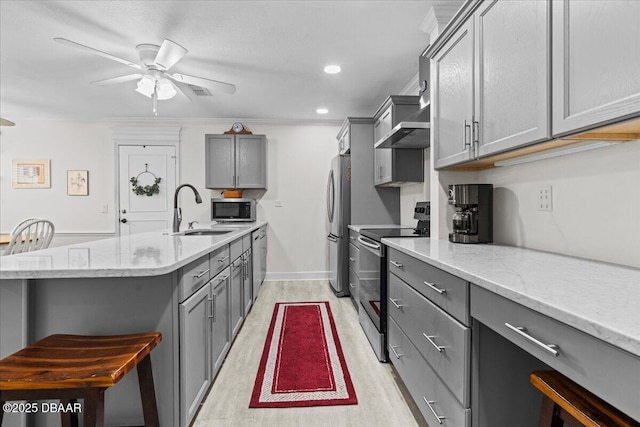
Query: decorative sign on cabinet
[{"x": 236, "y": 161}]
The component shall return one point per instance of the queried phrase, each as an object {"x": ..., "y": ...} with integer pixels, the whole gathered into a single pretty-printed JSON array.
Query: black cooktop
[{"x": 378, "y": 233}]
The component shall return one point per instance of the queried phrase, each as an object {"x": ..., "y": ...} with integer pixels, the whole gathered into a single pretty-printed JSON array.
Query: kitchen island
[
  {"x": 121, "y": 285},
  {"x": 517, "y": 310}
]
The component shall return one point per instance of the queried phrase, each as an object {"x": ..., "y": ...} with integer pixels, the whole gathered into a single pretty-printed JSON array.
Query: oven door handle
[{"x": 368, "y": 243}]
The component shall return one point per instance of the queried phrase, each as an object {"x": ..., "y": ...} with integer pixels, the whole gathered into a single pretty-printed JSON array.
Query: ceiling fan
[{"x": 154, "y": 80}]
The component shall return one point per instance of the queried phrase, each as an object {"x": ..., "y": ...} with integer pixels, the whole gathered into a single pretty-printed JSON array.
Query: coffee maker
[{"x": 473, "y": 218}]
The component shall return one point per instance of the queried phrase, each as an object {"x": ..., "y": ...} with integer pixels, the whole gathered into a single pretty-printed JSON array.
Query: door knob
[{"x": 123, "y": 220}]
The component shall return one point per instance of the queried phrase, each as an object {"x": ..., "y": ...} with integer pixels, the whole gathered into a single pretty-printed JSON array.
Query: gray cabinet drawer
[
  {"x": 354, "y": 254},
  {"x": 353, "y": 238},
  {"x": 441, "y": 340},
  {"x": 423, "y": 384},
  {"x": 193, "y": 276},
  {"x": 606, "y": 371},
  {"x": 445, "y": 290},
  {"x": 219, "y": 260},
  {"x": 235, "y": 249}
]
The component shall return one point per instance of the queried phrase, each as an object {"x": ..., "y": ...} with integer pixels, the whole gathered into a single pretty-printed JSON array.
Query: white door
[{"x": 140, "y": 213}]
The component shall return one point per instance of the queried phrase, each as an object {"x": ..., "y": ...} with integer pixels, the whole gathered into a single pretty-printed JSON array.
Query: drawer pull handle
[
  {"x": 393, "y": 301},
  {"x": 433, "y": 411},
  {"x": 433, "y": 343},
  {"x": 223, "y": 259},
  {"x": 393, "y": 348},
  {"x": 222, "y": 279},
  {"x": 202, "y": 273},
  {"x": 435, "y": 288},
  {"x": 397, "y": 264},
  {"x": 552, "y": 349}
]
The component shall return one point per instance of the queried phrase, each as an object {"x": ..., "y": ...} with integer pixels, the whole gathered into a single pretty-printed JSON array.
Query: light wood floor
[{"x": 380, "y": 402}]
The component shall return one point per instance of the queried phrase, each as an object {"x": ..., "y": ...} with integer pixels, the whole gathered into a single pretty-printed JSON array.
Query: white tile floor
[{"x": 380, "y": 402}]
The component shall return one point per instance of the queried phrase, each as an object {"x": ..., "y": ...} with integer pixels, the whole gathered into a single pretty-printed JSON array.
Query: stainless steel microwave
[{"x": 233, "y": 210}]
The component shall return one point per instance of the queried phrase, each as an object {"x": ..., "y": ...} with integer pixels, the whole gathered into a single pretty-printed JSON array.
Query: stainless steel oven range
[{"x": 373, "y": 284}]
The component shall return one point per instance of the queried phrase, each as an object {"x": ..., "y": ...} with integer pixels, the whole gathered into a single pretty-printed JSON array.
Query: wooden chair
[
  {"x": 71, "y": 367},
  {"x": 30, "y": 235},
  {"x": 566, "y": 404}
]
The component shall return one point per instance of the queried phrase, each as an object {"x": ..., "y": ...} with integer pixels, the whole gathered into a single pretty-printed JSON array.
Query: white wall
[
  {"x": 298, "y": 164},
  {"x": 596, "y": 200}
]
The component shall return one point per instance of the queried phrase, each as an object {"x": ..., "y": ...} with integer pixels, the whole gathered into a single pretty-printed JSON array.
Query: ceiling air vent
[{"x": 199, "y": 91}]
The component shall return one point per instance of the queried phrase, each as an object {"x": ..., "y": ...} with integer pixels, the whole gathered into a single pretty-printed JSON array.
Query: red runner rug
[{"x": 302, "y": 362}]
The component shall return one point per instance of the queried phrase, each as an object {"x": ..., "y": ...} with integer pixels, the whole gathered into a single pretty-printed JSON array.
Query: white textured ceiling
[{"x": 273, "y": 51}]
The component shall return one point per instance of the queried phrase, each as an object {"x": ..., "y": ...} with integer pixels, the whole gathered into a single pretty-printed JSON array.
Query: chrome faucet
[{"x": 177, "y": 212}]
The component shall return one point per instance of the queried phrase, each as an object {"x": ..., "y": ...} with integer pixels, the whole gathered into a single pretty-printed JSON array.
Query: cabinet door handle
[
  {"x": 395, "y": 263},
  {"x": 435, "y": 288},
  {"x": 202, "y": 273},
  {"x": 234, "y": 180},
  {"x": 393, "y": 348},
  {"x": 223, "y": 259},
  {"x": 433, "y": 411},
  {"x": 475, "y": 132},
  {"x": 212, "y": 300},
  {"x": 222, "y": 279},
  {"x": 393, "y": 301},
  {"x": 552, "y": 349},
  {"x": 433, "y": 343},
  {"x": 467, "y": 134}
]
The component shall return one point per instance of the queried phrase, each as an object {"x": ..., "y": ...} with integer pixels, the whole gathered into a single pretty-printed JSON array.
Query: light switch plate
[
  {"x": 545, "y": 199},
  {"x": 278, "y": 203}
]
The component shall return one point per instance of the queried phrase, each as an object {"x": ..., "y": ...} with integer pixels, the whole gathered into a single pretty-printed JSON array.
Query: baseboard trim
[{"x": 285, "y": 276}]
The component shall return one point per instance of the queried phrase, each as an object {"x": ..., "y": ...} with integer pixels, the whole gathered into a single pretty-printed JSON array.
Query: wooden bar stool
[
  {"x": 566, "y": 404},
  {"x": 71, "y": 367}
]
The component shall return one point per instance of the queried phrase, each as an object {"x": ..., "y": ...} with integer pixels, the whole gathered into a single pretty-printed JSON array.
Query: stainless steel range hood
[{"x": 412, "y": 132}]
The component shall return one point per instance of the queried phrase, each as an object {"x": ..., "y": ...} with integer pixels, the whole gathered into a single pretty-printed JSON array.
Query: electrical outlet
[
  {"x": 545, "y": 199},
  {"x": 278, "y": 203}
]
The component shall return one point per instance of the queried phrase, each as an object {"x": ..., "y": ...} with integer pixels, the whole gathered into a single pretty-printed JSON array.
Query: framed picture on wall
[
  {"x": 78, "y": 183},
  {"x": 31, "y": 174}
]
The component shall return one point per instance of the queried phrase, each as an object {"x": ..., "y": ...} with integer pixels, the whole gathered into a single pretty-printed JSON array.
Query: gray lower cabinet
[
  {"x": 236, "y": 291},
  {"x": 220, "y": 331},
  {"x": 195, "y": 354},
  {"x": 259, "y": 258},
  {"x": 430, "y": 346},
  {"x": 247, "y": 281},
  {"x": 236, "y": 161}
]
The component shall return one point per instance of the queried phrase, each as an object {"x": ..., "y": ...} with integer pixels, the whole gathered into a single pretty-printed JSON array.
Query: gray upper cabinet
[
  {"x": 393, "y": 167},
  {"x": 492, "y": 85},
  {"x": 236, "y": 161},
  {"x": 511, "y": 75},
  {"x": 453, "y": 98},
  {"x": 596, "y": 63}
]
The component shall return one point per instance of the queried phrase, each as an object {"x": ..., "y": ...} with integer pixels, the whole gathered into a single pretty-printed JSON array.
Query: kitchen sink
[{"x": 212, "y": 232}]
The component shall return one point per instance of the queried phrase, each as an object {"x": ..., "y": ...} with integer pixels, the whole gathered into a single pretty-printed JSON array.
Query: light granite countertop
[
  {"x": 144, "y": 254},
  {"x": 600, "y": 299},
  {"x": 357, "y": 228}
]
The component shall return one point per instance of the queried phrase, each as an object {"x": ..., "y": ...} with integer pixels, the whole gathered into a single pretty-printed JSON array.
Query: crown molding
[{"x": 438, "y": 17}]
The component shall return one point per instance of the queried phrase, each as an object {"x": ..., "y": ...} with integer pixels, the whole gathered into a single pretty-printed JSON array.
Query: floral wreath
[{"x": 149, "y": 190}]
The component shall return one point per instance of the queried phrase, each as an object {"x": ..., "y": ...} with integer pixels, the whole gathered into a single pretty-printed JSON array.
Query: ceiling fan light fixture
[
  {"x": 165, "y": 89},
  {"x": 147, "y": 86}
]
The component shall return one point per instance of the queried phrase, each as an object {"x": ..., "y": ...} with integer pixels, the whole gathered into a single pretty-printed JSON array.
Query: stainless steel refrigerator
[{"x": 339, "y": 215}]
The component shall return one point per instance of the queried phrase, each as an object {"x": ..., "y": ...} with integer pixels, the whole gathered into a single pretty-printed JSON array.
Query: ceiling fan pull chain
[{"x": 155, "y": 98}]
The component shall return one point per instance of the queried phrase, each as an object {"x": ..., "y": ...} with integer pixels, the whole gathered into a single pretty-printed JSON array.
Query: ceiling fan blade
[
  {"x": 170, "y": 52},
  {"x": 97, "y": 52},
  {"x": 181, "y": 87},
  {"x": 5, "y": 122},
  {"x": 201, "y": 81},
  {"x": 115, "y": 80}
]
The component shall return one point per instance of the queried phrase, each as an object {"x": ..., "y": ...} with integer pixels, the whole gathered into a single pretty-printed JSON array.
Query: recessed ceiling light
[
  {"x": 332, "y": 69},
  {"x": 322, "y": 111}
]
